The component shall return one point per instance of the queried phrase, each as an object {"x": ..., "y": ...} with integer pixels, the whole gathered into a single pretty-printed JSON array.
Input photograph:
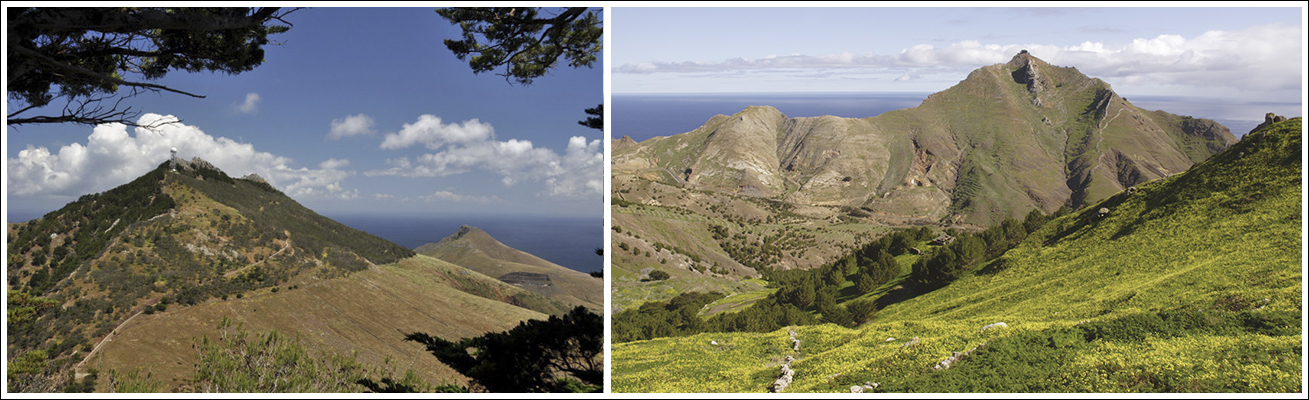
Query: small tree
[
  {"x": 658, "y": 275},
  {"x": 862, "y": 310},
  {"x": 865, "y": 283}
]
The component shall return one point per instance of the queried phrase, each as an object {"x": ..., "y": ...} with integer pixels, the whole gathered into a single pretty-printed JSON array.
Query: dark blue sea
[
  {"x": 570, "y": 242},
  {"x": 643, "y": 116}
]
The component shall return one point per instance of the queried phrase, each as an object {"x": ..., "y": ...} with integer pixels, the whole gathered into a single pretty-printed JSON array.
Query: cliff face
[{"x": 1009, "y": 138}]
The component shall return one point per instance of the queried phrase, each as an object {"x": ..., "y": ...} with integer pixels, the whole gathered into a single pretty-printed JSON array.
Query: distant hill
[
  {"x": 1009, "y": 138},
  {"x": 1190, "y": 283},
  {"x": 148, "y": 265},
  {"x": 474, "y": 249}
]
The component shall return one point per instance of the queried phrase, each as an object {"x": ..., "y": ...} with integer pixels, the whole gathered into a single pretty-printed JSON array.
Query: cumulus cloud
[
  {"x": 333, "y": 163},
  {"x": 471, "y": 145},
  {"x": 250, "y": 105},
  {"x": 431, "y": 132},
  {"x": 112, "y": 157},
  {"x": 1265, "y": 57},
  {"x": 354, "y": 125}
]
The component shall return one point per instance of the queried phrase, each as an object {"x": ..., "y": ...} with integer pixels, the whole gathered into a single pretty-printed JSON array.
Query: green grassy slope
[{"x": 1192, "y": 284}]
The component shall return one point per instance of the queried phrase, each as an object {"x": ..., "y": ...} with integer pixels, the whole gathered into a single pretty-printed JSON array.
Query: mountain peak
[
  {"x": 196, "y": 163},
  {"x": 1021, "y": 59},
  {"x": 464, "y": 230},
  {"x": 253, "y": 177},
  {"x": 1027, "y": 71}
]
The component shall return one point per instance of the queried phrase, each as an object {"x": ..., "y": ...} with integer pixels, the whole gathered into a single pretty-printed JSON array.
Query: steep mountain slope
[
  {"x": 1191, "y": 283},
  {"x": 474, "y": 249},
  {"x": 185, "y": 236},
  {"x": 1009, "y": 138}
]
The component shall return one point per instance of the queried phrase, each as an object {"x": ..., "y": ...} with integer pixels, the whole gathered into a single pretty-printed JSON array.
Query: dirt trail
[
  {"x": 238, "y": 271},
  {"x": 109, "y": 337},
  {"x": 1100, "y": 160}
]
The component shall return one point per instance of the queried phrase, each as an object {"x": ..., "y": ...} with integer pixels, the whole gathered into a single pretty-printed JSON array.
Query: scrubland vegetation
[{"x": 1191, "y": 283}]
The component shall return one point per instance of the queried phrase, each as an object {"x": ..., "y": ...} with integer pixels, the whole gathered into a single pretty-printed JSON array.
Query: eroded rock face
[{"x": 1025, "y": 72}]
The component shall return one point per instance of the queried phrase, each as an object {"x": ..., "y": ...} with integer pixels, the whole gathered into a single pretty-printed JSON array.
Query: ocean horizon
[{"x": 567, "y": 241}]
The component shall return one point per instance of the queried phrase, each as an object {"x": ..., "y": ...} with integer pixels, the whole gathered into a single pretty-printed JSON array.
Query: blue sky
[
  {"x": 1251, "y": 56},
  {"x": 356, "y": 111}
]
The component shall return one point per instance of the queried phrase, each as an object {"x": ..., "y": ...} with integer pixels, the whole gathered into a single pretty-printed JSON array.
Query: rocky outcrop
[
  {"x": 866, "y": 387},
  {"x": 1027, "y": 73},
  {"x": 1269, "y": 119},
  {"x": 911, "y": 342},
  {"x": 786, "y": 374}
]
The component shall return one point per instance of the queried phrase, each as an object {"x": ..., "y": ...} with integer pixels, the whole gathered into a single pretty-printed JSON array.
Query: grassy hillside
[
  {"x": 710, "y": 241},
  {"x": 194, "y": 241},
  {"x": 474, "y": 249},
  {"x": 366, "y": 314},
  {"x": 1193, "y": 283}
]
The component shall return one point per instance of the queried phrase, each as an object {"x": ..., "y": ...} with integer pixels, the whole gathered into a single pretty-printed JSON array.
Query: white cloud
[
  {"x": 333, "y": 163},
  {"x": 442, "y": 195},
  {"x": 471, "y": 145},
  {"x": 429, "y": 131},
  {"x": 250, "y": 105},
  {"x": 354, "y": 125},
  {"x": 112, "y": 157},
  {"x": 1266, "y": 57}
]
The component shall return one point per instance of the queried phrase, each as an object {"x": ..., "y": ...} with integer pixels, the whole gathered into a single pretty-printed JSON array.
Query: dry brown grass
[{"x": 368, "y": 312}]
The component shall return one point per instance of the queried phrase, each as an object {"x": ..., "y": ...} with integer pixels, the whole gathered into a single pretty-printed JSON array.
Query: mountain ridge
[
  {"x": 958, "y": 153},
  {"x": 473, "y": 248},
  {"x": 187, "y": 242}
]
